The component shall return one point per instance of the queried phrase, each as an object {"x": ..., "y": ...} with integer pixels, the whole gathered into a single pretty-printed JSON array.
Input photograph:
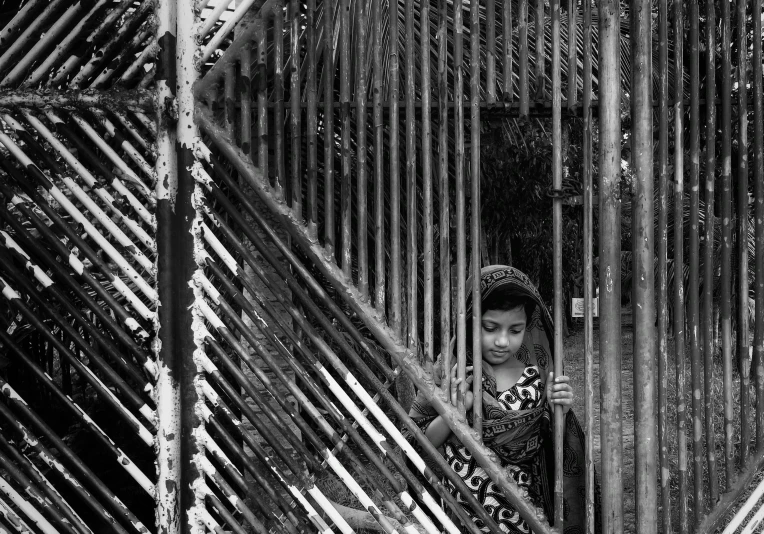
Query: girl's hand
[
  {"x": 469, "y": 398},
  {"x": 559, "y": 391}
]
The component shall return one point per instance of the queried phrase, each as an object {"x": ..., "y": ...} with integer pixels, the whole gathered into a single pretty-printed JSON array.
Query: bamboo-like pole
[
  {"x": 444, "y": 252},
  {"x": 475, "y": 221},
  {"x": 490, "y": 52},
  {"x": 345, "y": 140},
  {"x": 8, "y": 512},
  {"x": 362, "y": 195},
  {"x": 143, "y": 42},
  {"x": 540, "y": 67},
  {"x": 137, "y": 136},
  {"x": 295, "y": 113},
  {"x": 427, "y": 175},
  {"x": 645, "y": 444},
  {"x": 461, "y": 235},
  {"x": 559, "y": 418},
  {"x": 395, "y": 185},
  {"x": 662, "y": 238},
  {"x": 136, "y": 66},
  {"x": 312, "y": 118},
  {"x": 693, "y": 289},
  {"x": 329, "y": 147},
  {"x": 508, "y": 52},
  {"x": 726, "y": 247},
  {"x": 214, "y": 503},
  {"x": 758, "y": 186},
  {"x": 610, "y": 267},
  {"x": 707, "y": 326},
  {"x": 229, "y": 100},
  {"x": 744, "y": 361},
  {"x": 412, "y": 200},
  {"x": 379, "y": 169},
  {"x": 119, "y": 140},
  {"x": 522, "y": 32},
  {"x": 214, "y": 43},
  {"x": 245, "y": 100},
  {"x": 572, "y": 53},
  {"x": 21, "y": 18},
  {"x": 679, "y": 333},
  {"x": 588, "y": 269}
]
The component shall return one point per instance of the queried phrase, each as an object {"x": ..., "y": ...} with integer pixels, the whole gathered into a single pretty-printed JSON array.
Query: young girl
[{"x": 520, "y": 391}]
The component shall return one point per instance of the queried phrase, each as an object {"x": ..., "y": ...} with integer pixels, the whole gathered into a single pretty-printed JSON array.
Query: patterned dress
[{"x": 524, "y": 395}]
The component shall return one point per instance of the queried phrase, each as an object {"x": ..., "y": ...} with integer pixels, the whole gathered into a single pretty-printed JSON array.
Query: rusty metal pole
[
  {"x": 610, "y": 266},
  {"x": 588, "y": 269},
  {"x": 645, "y": 443},
  {"x": 176, "y": 393},
  {"x": 522, "y": 36},
  {"x": 758, "y": 181},
  {"x": 168, "y": 392},
  {"x": 559, "y": 418},
  {"x": 444, "y": 260},
  {"x": 663, "y": 316}
]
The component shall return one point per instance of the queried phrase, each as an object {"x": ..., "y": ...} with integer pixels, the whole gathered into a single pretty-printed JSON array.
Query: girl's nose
[{"x": 502, "y": 339}]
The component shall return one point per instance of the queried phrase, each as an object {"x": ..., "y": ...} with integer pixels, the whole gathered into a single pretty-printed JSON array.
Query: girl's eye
[
  {"x": 516, "y": 332},
  {"x": 489, "y": 328}
]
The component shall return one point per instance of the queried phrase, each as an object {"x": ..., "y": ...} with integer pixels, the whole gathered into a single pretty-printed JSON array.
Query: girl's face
[{"x": 502, "y": 334}]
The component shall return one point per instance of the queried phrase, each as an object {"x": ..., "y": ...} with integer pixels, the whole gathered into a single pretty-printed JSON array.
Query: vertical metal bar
[
  {"x": 475, "y": 223},
  {"x": 610, "y": 266},
  {"x": 758, "y": 181},
  {"x": 229, "y": 93},
  {"x": 295, "y": 108},
  {"x": 461, "y": 238},
  {"x": 312, "y": 124},
  {"x": 278, "y": 96},
  {"x": 663, "y": 316},
  {"x": 742, "y": 233},
  {"x": 508, "y": 50},
  {"x": 522, "y": 36},
  {"x": 262, "y": 101},
  {"x": 427, "y": 212},
  {"x": 361, "y": 149},
  {"x": 412, "y": 202},
  {"x": 345, "y": 185},
  {"x": 328, "y": 55},
  {"x": 395, "y": 187},
  {"x": 490, "y": 53},
  {"x": 559, "y": 418},
  {"x": 572, "y": 52},
  {"x": 679, "y": 335},
  {"x": 726, "y": 252},
  {"x": 444, "y": 195},
  {"x": 693, "y": 297},
  {"x": 168, "y": 392},
  {"x": 245, "y": 99},
  {"x": 645, "y": 444},
  {"x": 379, "y": 169},
  {"x": 708, "y": 252},
  {"x": 588, "y": 52},
  {"x": 540, "y": 67}
]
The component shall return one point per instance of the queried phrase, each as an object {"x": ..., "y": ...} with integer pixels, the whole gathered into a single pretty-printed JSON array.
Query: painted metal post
[
  {"x": 176, "y": 343},
  {"x": 610, "y": 266}
]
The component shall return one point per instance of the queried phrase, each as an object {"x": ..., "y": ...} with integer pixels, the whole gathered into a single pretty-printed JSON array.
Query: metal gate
[{"x": 231, "y": 230}]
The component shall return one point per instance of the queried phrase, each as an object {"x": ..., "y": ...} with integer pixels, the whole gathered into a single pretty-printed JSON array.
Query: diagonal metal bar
[
  {"x": 78, "y": 266},
  {"x": 119, "y": 456},
  {"x": 63, "y": 274},
  {"x": 144, "y": 39},
  {"x": 30, "y": 32},
  {"x": 26, "y": 507},
  {"x": 408, "y": 361},
  {"x": 44, "y": 485}
]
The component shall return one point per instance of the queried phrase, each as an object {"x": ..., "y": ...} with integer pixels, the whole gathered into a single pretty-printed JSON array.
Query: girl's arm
[{"x": 438, "y": 431}]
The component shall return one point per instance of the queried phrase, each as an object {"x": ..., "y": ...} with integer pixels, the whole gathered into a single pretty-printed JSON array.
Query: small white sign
[{"x": 578, "y": 307}]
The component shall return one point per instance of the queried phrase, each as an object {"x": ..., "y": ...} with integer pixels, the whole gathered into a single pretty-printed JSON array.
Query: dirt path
[{"x": 574, "y": 367}]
